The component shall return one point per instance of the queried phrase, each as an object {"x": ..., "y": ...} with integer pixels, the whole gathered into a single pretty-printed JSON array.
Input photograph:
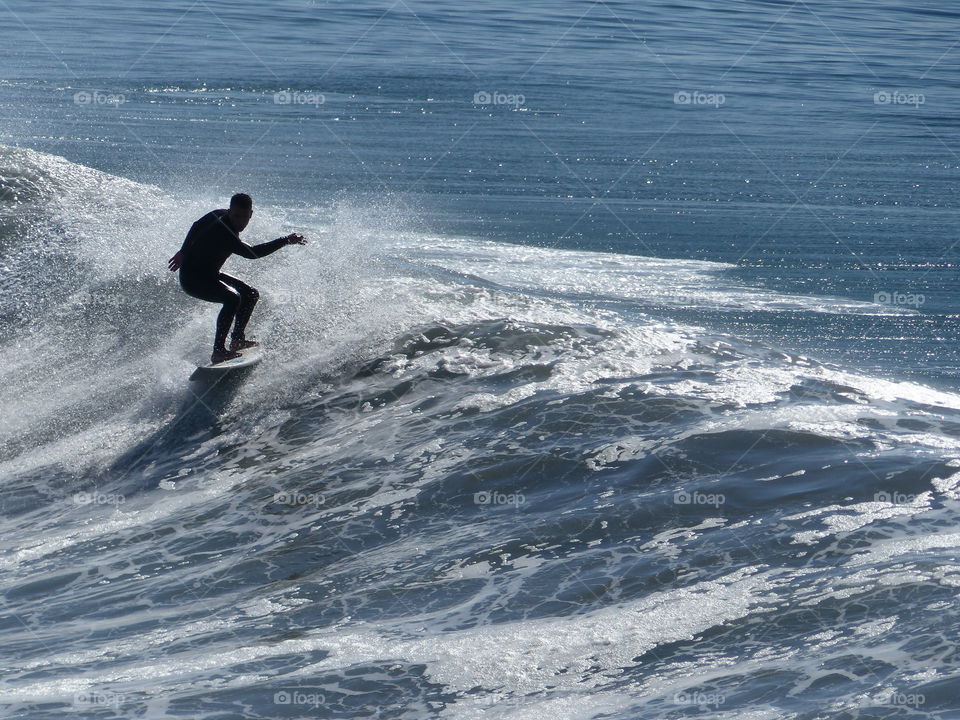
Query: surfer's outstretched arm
[{"x": 263, "y": 249}]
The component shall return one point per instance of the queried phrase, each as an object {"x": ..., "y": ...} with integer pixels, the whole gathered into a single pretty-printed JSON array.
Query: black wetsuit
[{"x": 209, "y": 243}]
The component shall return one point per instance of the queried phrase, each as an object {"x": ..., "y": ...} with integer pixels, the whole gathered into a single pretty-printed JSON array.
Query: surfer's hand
[
  {"x": 295, "y": 239},
  {"x": 175, "y": 262}
]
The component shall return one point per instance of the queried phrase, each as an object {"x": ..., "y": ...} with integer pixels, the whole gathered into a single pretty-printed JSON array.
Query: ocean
[{"x": 617, "y": 380}]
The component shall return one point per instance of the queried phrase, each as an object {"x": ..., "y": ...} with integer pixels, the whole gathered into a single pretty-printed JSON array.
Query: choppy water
[{"x": 585, "y": 401}]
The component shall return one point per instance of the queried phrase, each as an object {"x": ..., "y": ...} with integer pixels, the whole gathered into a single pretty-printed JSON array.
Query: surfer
[{"x": 211, "y": 240}]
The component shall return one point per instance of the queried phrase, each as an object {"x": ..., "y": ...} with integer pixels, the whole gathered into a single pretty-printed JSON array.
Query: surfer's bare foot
[
  {"x": 243, "y": 344},
  {"x": 220, "y": 356}
]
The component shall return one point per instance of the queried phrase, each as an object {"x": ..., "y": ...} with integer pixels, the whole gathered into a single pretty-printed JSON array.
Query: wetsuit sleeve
[
  {"x": 191, "y": 236},
  {"x": 258, "y": 251}
]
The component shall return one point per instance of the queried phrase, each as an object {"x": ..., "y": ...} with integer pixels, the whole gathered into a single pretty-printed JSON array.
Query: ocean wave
[{"x": 494, "y": 479}]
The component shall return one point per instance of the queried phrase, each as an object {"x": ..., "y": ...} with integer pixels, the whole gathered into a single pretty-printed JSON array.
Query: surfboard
[{"x": 248, "y": 358}]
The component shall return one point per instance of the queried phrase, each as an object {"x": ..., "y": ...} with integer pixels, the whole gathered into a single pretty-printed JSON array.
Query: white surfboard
[{"x": 248, "y": 358}]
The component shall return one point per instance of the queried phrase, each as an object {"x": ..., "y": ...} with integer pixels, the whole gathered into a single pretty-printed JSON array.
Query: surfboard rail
[{"x": 248, "y": 358}]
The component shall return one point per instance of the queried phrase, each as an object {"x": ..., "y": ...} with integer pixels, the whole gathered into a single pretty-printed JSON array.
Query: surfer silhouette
[{"x": 211, "y": 240}]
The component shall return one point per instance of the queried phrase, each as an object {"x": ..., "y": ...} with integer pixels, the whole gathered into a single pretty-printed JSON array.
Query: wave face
[{"x": 470, "y": 480}]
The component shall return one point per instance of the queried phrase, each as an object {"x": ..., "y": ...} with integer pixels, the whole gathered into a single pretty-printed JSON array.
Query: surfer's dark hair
[{"x": 242, "y": 201}]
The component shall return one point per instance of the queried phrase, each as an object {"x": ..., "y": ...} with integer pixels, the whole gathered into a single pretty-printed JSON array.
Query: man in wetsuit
[{"x": 211, "y": 240}]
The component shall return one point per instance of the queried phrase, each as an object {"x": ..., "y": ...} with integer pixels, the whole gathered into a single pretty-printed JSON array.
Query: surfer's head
[{"x": 241, "y": 210}]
